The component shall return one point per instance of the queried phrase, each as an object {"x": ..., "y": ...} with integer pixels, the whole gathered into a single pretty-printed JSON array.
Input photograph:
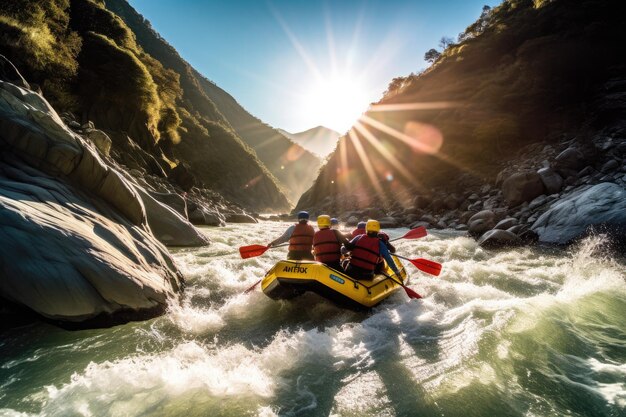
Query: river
[{"x": 523, "y": 332}]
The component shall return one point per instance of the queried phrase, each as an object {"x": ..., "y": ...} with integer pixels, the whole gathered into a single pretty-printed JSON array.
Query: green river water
[{"x": 523, "y": 332}]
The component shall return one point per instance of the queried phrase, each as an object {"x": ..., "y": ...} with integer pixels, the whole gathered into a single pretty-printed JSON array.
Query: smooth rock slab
[
  {"x": 602, "y": 206},
  {"x": 71, "y": 260}
]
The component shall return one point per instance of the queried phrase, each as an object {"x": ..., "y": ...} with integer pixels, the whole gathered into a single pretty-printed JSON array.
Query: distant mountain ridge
[
  {"x": 291, "y": 163},
  {"x": 319, "y": 140}
]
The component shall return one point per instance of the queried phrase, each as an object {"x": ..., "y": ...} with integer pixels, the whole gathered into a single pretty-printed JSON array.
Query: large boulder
[
  {"x": 168, "y": 225},
  {"x": 388, "y": 222},
  {"x": 240, "y": 218},
  {"x": 570, "y": 159},
  {"x": 602, "y": 207},
  {"x": 506, "y": 224},
  {"x": 100, "y": 139},
  {"x": 499, "y": 239},
  {"x": 173, "y": 200},
  {"x": 551, "y": 180},
  {"x": 521, "y": 187},
  {"x": 76, "y": 243}
]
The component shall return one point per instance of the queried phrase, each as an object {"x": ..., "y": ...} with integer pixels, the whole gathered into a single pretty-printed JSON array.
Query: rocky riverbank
[
  {"x": 553, "y": 194},
  {"x": 83, "y": 236}
]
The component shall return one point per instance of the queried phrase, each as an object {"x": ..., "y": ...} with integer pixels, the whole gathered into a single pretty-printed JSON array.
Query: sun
[{"x": 336, "y": 102}]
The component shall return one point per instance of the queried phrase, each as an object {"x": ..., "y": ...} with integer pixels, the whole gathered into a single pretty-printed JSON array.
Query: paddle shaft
[{"x": 409, "y": 292}]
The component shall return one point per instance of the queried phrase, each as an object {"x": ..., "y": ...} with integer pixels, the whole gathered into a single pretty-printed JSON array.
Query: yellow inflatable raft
[{"x": 288, "y": 279}]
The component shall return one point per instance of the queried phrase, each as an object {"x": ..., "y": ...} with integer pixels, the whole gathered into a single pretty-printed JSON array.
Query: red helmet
[{"x": 384, "y": 236}]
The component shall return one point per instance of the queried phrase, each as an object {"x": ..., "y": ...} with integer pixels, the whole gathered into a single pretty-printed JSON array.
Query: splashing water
[{"x": 522, "y": 332}]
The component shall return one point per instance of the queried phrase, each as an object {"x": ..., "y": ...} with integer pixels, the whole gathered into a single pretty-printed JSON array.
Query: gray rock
[
  {"x": 478, "y": 205},
  {"x": 100, "y": 139},
  {"x": 421, "y": 201},
  {"x": 506, "y": 224},
  {"x": 480, "y": 226},
  {"x": 172, "y": 200},
  {"x": 570, "y": 158},
  {"x": 428, "y": 218},
  {"x": 373, "y": 213},
  {"x": 485, "y": 214},
  {"x": 515, "y": 229},
  {"x": 588, "y": 170},
  {"x": 609, "y": 166},
  {"x": 461, "y": 227},
  {"x": 602, "y": 206},
  {"x": 419, "y": 224},
  {"x": 551, "y": 180},
  {"x": 80, "y": 245},
  {"x": 521, "y": 187},
  {"x": 168, "y": 225},
  {"x": 388, "y": 222},
  {"x": 451, "y": 202},
  {"x": 239, "y": 218},
  {"x": 537, "y": 202},
  {"x": 499, "y": 239},
  {"x": 352, "y": 221}
]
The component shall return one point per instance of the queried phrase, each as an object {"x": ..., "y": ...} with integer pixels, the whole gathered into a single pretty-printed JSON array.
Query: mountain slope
[
  {"x": 293, "y": 165},
  {"x": 88, "y": 61},
  {"x": 320, "y": 140},
  {"x": 527, "y": 73}
]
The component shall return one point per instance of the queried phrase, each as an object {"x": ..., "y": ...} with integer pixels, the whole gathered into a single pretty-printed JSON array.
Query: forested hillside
[
  {"x": 526, "y": 73},
  {"x": 94, "y": 68},
  {"x": 294, "y": 167}
]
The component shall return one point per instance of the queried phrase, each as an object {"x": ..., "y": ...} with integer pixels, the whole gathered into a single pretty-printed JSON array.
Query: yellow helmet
[
  {"x": 372, "y": 226},
  {"x": 323, "y": 221}
]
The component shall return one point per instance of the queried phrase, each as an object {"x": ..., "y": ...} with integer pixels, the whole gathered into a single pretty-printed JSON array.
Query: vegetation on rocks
[{"x": 101, "y": 62}]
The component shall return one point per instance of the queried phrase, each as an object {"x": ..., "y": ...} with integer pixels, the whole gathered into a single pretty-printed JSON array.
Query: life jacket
[
  {"x": 326, "y": 246},
  {"x": 302, "y": 237},
  {"x": 357, "y": 232},
  {"x": 366, "y": 253}
]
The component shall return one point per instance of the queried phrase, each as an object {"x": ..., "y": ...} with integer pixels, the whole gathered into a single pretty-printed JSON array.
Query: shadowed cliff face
[
  {"x": 530, "y": 72},
  {"x": 88, "y": 61}
]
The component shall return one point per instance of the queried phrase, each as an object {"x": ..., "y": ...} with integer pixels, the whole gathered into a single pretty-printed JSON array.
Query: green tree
[{"x": 431, "y": 55}]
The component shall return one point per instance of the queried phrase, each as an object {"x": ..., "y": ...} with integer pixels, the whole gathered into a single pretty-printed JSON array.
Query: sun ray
[
  {"x": 355, "y": 38},
  {"x": 297, "y": 45},
  {"x": 384, "y": 151},
  {"x": 367, "y": 164},
  {"x": 330, "y": 39},
  {"x": 413, "y": 142},
  {"x": 434, "y": 105}
]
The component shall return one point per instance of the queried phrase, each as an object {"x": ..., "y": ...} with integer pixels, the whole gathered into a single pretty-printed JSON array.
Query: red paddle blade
[
  {"x": 430, "y": 267},
  {"x": 412, "y": 294},
  {"x": 252, "y": 250},
  {"x": 415, "y": 233}
]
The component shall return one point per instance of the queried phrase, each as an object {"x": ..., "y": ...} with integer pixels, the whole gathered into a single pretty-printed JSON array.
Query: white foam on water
[
  {"x": 190, "y": 371},
  {"x": 362, "y": 395}
]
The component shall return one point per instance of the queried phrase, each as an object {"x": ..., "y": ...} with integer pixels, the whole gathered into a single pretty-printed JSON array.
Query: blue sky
[{"x": 276, "y": 57}]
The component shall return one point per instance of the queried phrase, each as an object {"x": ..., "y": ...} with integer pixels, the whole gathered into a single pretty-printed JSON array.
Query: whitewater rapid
[{"x": 522, "y": 332}]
